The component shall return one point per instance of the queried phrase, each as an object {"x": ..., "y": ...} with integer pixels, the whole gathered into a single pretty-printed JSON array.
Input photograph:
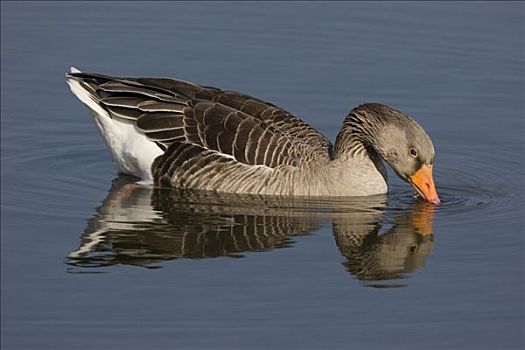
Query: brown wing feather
[
  {"x": 275, "y": 117},
  {"x": 251, "y": 131}
]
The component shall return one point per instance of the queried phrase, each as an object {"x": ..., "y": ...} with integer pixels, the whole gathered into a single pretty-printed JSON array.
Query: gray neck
[
  {"x": 359, "y": 133},
  {"x": 357, "y": 163}
]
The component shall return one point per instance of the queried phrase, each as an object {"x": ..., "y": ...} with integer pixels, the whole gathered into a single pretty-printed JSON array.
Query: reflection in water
[
  {"x": 141, "y": 226},
  {"x": 401, "y": 248}
]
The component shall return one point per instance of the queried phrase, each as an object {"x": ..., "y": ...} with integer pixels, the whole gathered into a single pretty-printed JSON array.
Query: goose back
[{"x": 229, "y": 134}]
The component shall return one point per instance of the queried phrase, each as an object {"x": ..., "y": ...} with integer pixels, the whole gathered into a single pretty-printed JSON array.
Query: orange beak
[{"x": 423, "y": 183}]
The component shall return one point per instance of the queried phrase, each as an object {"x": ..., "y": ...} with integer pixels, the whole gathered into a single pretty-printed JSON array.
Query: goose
[{"x": 170, "y": 132}]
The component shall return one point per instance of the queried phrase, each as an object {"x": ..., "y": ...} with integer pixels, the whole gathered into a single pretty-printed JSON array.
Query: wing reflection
[{"x": 142, "y": 226}]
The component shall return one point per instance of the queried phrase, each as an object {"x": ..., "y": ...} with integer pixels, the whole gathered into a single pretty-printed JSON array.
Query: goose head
[
  {"x": 410, "y": 153},
  {"x": 400, "y": 141}
]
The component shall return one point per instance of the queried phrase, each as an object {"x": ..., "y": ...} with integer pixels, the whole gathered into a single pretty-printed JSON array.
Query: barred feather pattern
[
  {"x": 212, "y": 139},
  {"x": 140, "y": 225},
  {"x": 359, "y": 131}
]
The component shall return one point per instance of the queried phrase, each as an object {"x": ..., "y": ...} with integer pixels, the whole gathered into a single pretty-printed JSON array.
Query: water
[{"x": 90, "y": 260}]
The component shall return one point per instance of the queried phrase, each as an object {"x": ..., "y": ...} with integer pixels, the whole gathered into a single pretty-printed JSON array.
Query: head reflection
[
  {"x": 388, "y": 248},
  {"x": 141, "y": 226}
]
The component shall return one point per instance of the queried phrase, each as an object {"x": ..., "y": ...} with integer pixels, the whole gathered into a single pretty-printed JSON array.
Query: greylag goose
[{"x": 174, "y": 133}]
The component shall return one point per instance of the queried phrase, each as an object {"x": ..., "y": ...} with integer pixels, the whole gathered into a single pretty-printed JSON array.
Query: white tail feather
[{"x": 132, "y": 152}]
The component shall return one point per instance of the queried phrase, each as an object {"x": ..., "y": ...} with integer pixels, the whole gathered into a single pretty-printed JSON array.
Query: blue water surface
[{"x": 90, "y": 261}]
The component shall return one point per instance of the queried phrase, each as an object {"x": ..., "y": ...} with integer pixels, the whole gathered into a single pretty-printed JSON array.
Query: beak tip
[
  {"x": 435, "y": 200},
  {"x": 423, "y": 183}
]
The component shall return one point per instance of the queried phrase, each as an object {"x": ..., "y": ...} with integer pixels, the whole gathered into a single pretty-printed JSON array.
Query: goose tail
[
  {"x": 85, "y": 93},
  {"x": 133, "y": 153}
]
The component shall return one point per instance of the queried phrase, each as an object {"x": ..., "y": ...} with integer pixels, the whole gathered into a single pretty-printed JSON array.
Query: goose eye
[{"x": 413, "y": 152}]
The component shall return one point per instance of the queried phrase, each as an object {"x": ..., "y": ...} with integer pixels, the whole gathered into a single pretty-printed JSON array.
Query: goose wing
[{"x": 171, "y": 112}]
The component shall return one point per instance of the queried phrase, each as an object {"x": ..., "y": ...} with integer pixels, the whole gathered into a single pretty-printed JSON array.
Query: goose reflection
[
  {"x": 386, "y": 250},
  {"x": 137, "y": 225}
]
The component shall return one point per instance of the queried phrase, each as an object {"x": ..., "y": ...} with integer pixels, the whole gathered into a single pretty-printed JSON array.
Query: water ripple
[{"x": 479, "y": 187}]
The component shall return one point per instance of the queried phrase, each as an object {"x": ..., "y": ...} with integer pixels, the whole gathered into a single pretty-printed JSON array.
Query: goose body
[{"x": 174, "y": 133}]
